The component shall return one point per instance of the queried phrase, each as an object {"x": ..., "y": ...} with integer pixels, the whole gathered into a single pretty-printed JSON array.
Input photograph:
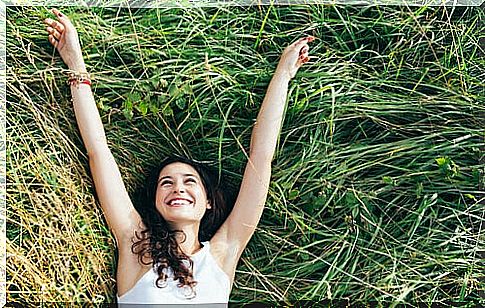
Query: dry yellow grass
[{"x": 57, "y": 253}]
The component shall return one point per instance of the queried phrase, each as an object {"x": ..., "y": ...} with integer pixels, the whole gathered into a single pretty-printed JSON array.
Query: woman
[{"x": 176, "y": 267}]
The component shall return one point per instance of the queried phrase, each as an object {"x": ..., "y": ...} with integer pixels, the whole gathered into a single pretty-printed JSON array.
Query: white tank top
[{"x": 213, "y": 285}]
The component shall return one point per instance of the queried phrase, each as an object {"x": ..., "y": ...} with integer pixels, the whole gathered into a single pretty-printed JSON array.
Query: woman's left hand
[
  {"x": 294, "y": 56},
  {"x": 63, "y": 36}
]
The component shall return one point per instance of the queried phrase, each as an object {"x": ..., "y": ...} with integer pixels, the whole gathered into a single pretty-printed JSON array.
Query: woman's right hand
[
  {"x": 64, "y": 37},
  {"x": 294, "y": 56}
]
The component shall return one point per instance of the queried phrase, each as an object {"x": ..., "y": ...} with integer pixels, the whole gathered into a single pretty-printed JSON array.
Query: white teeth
[{"x": 179, "y": 202}]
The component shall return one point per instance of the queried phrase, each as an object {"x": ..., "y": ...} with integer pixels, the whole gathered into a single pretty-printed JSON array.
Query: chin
[{"x": 174, "y": 218}]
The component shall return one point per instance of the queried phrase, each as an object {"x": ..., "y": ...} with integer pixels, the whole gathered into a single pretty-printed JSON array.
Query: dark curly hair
[{"x": 158, "y": 243}]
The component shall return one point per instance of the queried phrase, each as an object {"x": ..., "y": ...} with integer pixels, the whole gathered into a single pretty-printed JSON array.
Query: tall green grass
[{"x": 377, "y": 187}]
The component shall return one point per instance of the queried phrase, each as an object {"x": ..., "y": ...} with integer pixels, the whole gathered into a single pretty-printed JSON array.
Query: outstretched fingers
[
  {"x": 305, "y": 40},
  {"x": 53, "y": 41},
  {"x": 302, "y": 47},
  {"x": 303, "y": 56},
  {"x": 54, "y": 32},
  {"x": 63, "y": 36},
  {"x": 61, "y": 24},
  {"x": 54, "y": 24},
  {"x": 62, "y": 18},
  {"x": 59, "y": 29}
]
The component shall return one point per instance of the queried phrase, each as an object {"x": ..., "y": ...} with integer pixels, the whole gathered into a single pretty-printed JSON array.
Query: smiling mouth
[{"x": 179, "y": 202}]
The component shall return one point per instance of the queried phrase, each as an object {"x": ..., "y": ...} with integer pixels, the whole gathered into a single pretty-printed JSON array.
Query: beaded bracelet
[{"x": 77, "y": 78}]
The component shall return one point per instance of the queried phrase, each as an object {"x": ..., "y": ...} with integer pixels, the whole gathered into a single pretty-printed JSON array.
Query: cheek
[
  {"x": 202, "y": 195},
  {"x": 159, "y": 197},
  {"x": 202, "y": 191}
]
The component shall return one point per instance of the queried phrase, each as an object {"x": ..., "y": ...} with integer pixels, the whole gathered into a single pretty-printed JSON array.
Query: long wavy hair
[{"x": 157, "y": 244}]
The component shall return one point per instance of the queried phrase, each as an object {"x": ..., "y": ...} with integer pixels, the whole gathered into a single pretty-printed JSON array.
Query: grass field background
[{"x": 376, "y": 192}]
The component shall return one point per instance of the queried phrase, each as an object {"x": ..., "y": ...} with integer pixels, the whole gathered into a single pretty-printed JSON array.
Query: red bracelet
[
  {"x": 86, "y": 81},
  {"x": 76, "y": 78}
]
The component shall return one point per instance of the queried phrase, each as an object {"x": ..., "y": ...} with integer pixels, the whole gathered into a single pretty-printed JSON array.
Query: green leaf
[
  {"x": 180, "y": 102},
  {"x": 128, "y": 105},
  {"x": 173, "y": 90},
  {"x": 167, "y": 111},
  {"x": 128, "y": 113},
  {"x": 153, "y": 108},
  {"x": 134, "y": 97},
  {"x": 143, "y": 108},
  {"x": 304, "y": 256},
  {"x": 443, "y": 162},
  {"x": 186, "y": 89},
  {"x": 155, "y": 83},
  {"x": 161, "y": 99},
  {"x": 350, "y": 198},
  {"x": 320, "y": 201},
  {"x": 308, "y": 207},
  {"x": 100, "y": 103},
  {"x": 388, "y": 180},
  {"x": 447, "y": 166},
  {"x": 293, "y": 194}
]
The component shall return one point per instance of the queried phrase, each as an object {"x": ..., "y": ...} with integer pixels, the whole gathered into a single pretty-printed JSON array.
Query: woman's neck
[{"x": 189, "y": 240}]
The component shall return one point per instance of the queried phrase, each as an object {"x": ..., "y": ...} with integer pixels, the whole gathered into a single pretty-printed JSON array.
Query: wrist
[{"x": 78, "y": 66}]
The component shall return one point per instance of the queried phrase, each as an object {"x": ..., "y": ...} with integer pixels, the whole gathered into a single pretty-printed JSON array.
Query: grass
[{"x": 377, "y": 188}]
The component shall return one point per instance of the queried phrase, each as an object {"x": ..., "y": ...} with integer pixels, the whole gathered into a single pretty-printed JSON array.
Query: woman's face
[{"x": 181, "y": 196}]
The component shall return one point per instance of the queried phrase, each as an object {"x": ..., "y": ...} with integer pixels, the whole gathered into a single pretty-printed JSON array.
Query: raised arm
[
  {"x": 242, "y": 222},
  {"x": 117, "y": 207}
]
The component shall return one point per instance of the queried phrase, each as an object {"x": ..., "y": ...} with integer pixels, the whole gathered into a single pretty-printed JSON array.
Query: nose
[{"x": 178, "y": 188}]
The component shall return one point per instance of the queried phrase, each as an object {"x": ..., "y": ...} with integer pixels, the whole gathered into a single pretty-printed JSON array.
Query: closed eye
[
  {"x": 166, "y": 182},
  {"x": 190, "y": 180}
]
